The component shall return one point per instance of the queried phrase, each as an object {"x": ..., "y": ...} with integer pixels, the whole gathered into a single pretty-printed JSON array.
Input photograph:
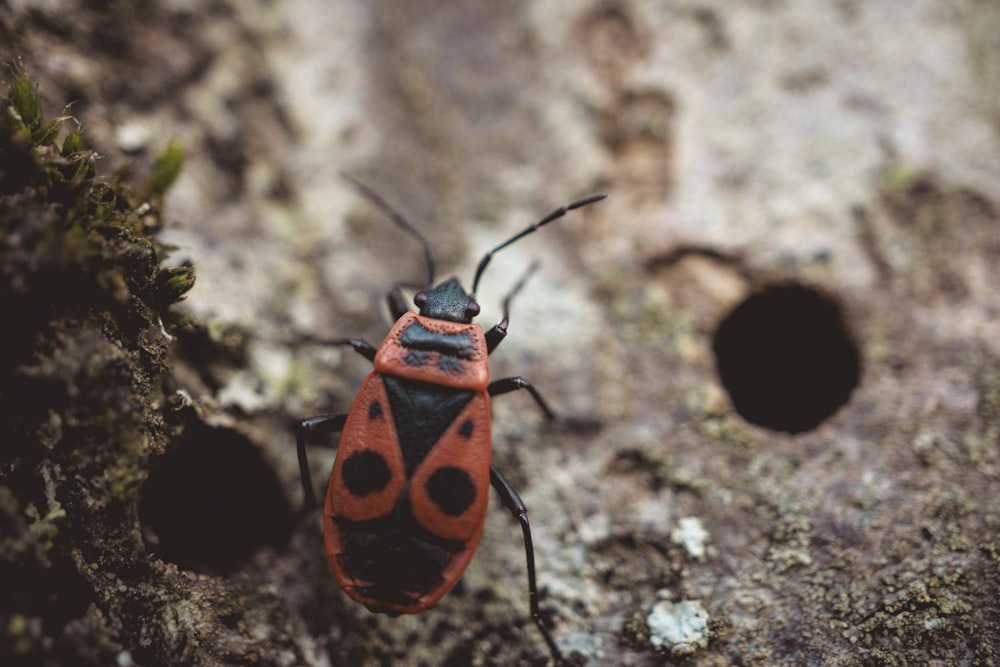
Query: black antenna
[
  {"x": 554, "y": 215},
  {"x": 400, "y": 221}
]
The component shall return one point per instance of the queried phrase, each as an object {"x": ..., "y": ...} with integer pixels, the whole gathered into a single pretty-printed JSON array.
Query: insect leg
[
  {"x": 364, "y": 348},
  {"x": 499, "y": 331},
  {"x": 496, "y": 335},
  {"x": 515, "y": 505},
  {"x": 320, "y": 424},
  {"x": 397, "y": 303},
  {"x": 576, "y": 424},
  {"x": 506, "y": 385}
]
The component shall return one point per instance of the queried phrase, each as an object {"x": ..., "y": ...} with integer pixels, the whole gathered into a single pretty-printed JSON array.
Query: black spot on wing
[
  {"x": 452, "y": 490},
  {"x": 365, "y": 472},
  {"x": 466, "y": 429},
  {"x": 375, "y": 410}
]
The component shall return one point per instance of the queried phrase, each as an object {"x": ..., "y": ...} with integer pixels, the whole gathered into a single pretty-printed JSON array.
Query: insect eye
[
  {"x": 472, "y": 309},
  {"x": 420, "y": 298}
]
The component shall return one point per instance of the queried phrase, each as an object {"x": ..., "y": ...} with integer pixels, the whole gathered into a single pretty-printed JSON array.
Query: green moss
[
  {"x": 72, "y": 240},
  {"x": 166, "y": 169},
  {"x": 82, "y": 376}
]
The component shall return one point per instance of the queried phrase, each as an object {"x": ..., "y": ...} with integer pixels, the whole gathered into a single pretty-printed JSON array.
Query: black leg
[
  {"x": 499, "y": 331},
  {"x": 320, "y": 424},
  {"x": 575, "y": 424},
  {"x": 505, "y": 385},
  {"x": 515, "y": 505},
  {"x": 496, "y": 335},
  {"x": 364, "y": 348},
  {"x": 397, "y": 304}
]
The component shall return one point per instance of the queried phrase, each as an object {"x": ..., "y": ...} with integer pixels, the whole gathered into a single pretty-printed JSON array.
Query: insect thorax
[{"x": 449, "y": 354}]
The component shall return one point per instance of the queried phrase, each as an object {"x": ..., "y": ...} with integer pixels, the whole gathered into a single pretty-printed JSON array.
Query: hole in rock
[
  {"x": 211, "y": 501},
  {"x": 786, "y": 358}
]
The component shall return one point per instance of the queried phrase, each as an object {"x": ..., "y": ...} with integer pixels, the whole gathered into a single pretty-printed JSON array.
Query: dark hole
[
  {"x": 786, "y": 359},
  {"x": 211, "y": 501}
]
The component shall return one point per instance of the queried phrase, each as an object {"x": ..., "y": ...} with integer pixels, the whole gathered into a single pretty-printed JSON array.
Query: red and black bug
[{"x": 406, "y": 501}]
